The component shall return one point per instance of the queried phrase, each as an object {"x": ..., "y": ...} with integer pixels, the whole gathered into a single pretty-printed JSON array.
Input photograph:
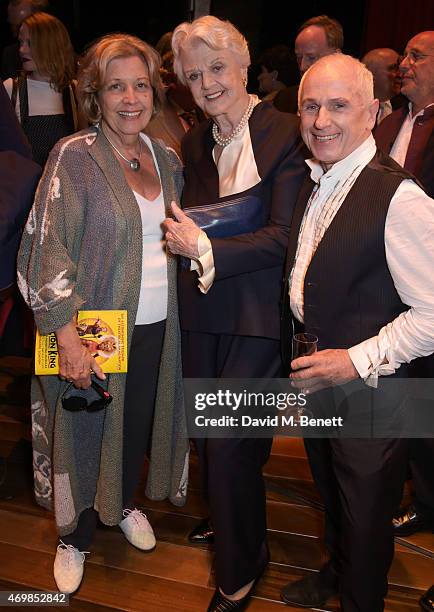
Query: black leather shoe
[
  {"x": 409, "y": 520},
  {"x": 427, "y": 600},
  {"x": 202, "y": 534},
  {"x": 220, "y": 603},
  {"x": 312, "y": 591}
]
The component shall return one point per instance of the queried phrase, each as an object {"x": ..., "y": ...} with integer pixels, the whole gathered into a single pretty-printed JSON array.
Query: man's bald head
[
  {"x": 344, "y": 66},
  {"x": 337, "y": 107},
  {"x": 383, "y": 63}
]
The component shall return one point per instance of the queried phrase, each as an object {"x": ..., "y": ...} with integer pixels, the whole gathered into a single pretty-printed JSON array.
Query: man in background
[
  {"x": 384, "y": 65},
  {"x": 407, "y": 135},
  {"x": 317, "y": 37}
]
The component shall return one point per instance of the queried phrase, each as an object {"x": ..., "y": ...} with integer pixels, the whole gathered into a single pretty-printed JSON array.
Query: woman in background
[{"x": 43, "y": 96}]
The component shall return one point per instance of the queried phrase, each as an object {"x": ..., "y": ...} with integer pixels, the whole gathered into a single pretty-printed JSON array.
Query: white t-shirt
[
  {"x": 43, "y": 99},
  {"x": 153, "y": 289}
]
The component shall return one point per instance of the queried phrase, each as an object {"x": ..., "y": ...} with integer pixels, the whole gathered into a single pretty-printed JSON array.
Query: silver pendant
[{"x": 134, "y": 164}]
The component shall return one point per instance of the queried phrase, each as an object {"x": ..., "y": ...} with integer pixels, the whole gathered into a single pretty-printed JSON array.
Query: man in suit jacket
[
  {"x": 358, "y": 268},
  {"x": 317, "y": 37},
  {"x": 408, "y": 136}
]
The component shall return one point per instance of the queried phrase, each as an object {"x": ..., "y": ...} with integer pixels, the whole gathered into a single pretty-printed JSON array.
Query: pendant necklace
[{"x": 133, "y": 163}]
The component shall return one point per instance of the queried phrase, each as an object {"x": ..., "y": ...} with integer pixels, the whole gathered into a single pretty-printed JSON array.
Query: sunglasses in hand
[{"x": 76, "y": 403}]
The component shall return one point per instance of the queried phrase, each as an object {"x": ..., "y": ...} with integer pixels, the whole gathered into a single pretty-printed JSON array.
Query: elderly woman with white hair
[{"x": 246, "y": 153}]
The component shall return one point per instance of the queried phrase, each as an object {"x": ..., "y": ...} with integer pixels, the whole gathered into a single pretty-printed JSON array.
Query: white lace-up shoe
[
  {"x": 137, "y": 529},
  {"x": 68, "y": 567}
]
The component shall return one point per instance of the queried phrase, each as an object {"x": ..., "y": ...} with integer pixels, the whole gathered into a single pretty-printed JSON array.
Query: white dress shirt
[
  {"x": 402, "y": 140},
  {"x": 384, "y": 110},
  {"x": 409, "y": 247}
]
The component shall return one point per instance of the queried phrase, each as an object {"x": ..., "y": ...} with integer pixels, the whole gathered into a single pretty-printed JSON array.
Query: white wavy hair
[{"x": 215, "y": 33}]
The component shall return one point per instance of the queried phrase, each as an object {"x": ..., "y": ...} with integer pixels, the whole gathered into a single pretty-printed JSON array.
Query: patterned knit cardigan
[{"x": 82, "y": 248}]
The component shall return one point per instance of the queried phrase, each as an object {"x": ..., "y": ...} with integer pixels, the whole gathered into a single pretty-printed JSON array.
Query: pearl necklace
[
  {"x": 224, "y": 141},
  {"x": 133, "y": 163}
]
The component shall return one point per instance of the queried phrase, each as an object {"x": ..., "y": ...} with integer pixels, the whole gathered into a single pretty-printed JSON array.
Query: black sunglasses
[{"x": 75, "y": 403}]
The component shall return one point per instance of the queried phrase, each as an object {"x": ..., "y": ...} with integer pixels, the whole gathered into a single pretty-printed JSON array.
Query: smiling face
[
  {"x": 25, "y": 50},
  {"x": 310, "y": 45},
  {"x": 335, "y": 115},
  {"x": 126, "y": 98},
  {"x": 417, "y": 69},
  {"x": 215, "y": 79}
]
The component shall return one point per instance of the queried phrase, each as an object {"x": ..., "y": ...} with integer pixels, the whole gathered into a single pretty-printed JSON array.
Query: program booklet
[{"x": 102, "y": 332}]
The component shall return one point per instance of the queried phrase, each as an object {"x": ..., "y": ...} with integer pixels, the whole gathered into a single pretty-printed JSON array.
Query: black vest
[{"x": 349, "y": 293}]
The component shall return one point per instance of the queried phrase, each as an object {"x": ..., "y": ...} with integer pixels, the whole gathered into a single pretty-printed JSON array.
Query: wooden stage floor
[{"x": 177, "y": 576}]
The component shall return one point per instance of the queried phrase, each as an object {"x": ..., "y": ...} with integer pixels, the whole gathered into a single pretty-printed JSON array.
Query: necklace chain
[
  {"x": 133, "y": 163},
  {"x": 224, "y": 141}
]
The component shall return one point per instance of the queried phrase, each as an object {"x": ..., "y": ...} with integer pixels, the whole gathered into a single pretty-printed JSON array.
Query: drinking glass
[{"x": 303, "y": 344}]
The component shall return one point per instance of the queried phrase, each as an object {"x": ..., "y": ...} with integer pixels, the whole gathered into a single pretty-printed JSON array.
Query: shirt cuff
[
  {"x": 204, "y": 265},
  {"x": 368, "y": 359}
]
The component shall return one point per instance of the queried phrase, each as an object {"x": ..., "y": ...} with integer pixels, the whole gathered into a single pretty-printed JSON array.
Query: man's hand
[
  {"x": 75, "y": 361},
  {"x": 322, "y": 369},
  {"x": 182, "y": 234}
]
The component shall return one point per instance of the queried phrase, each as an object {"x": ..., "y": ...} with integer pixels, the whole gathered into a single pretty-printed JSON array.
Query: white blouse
[{"x": 153, "y": 289}]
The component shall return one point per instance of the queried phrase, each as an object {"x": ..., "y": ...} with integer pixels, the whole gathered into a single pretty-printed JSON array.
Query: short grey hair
[
  {"x": 215, "y": 33},
  {"x": 363, "y": 76}
]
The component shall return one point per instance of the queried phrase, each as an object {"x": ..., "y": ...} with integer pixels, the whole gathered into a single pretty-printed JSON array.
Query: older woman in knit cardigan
[{"x": 94, "y": 241}]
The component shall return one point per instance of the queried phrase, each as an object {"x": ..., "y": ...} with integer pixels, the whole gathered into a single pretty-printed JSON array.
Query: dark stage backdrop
[
  {"x": 367, "y": 23},
  {"x": 392, "y": 24}
]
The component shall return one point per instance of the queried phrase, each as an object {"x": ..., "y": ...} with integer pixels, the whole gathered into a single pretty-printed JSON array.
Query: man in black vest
[{"x": 359, "y": 256}]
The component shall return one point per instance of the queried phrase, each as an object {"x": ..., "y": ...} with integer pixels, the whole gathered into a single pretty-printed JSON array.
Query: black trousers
[
  {"x": 232, "y": 468},
  {"x": 361, "y": 481},
  {"x": 421, "y": 450},
  {"x": 421, "y": 460},
  {"x": 140, "y": 391}
]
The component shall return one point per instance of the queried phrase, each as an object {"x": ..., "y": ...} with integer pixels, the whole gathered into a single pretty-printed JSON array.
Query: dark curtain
[{"x": 391, "y": 23}]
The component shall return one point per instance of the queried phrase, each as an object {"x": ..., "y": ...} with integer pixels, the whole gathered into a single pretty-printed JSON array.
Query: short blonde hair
[
  {"x": 215, "y": 33},
  {"x": 93, "y": 69},
  {"x": 363, "y": 76}
]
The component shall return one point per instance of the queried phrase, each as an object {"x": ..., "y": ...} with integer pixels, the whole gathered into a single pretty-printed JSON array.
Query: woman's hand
[
  {"x": 75, "y": 362},
  {"x": 182, "y": 235}
]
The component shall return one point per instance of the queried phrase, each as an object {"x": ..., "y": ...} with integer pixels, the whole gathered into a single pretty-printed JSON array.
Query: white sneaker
[
  {"x": 68, "y": 567},
  {"x": 137, "y": 529}
]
